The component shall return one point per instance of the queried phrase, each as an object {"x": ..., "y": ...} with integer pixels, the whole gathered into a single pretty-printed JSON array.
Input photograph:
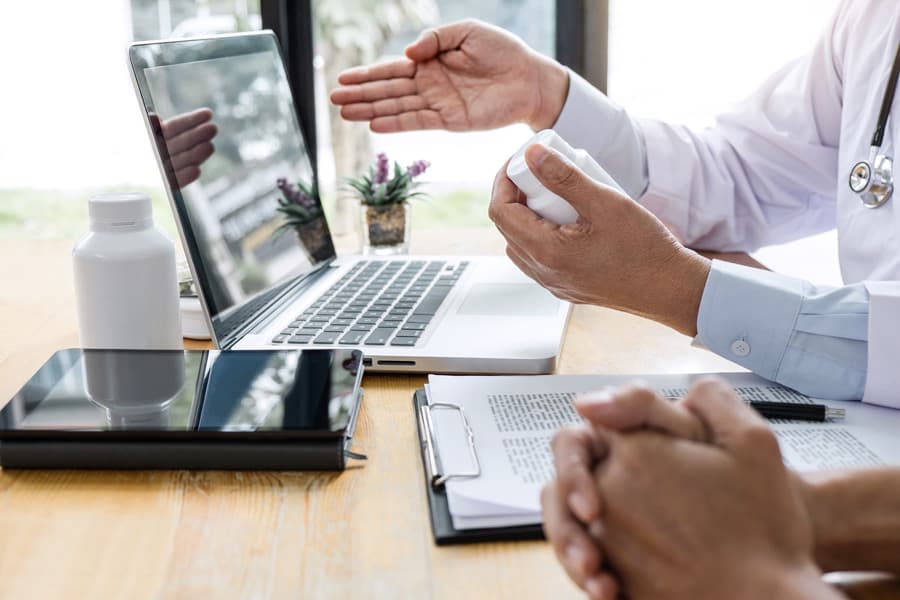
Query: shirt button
[{"x": 740, "y": 348}]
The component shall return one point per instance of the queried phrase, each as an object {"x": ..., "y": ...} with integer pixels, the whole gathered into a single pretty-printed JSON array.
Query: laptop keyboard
[{"x": 376, "y": 303}]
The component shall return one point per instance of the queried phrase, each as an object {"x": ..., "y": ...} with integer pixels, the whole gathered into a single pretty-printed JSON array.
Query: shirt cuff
[
  {"x": 591, "y": 121},
  {"x": 747, "y": 315}
]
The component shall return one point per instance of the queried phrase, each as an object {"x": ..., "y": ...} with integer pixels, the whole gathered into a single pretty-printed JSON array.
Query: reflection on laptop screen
[{"x": 224, "y": 124}]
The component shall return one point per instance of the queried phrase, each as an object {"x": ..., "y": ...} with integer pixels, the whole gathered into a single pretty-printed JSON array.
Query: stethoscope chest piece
[{"x": 873, "y": 182}]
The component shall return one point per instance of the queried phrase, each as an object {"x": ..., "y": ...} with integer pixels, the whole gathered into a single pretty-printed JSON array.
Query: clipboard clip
[{"x": 433, "y": 466}]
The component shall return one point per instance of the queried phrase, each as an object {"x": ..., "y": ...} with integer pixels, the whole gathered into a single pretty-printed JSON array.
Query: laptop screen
[{"x": 236, "y": 163}]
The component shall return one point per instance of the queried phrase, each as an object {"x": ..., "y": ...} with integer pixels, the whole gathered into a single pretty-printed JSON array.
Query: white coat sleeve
[
  {"x": 764, "y": 174},
  {"x": 591, "y": 121},
  {"x": 883, "y": 380}
]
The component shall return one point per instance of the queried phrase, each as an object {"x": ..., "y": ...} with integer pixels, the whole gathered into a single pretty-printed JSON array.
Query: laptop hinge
[{"x": 292, "y": 290}]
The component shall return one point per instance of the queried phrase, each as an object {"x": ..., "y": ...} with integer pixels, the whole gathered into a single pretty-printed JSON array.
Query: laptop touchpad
[{"x": 508, "y": 299}]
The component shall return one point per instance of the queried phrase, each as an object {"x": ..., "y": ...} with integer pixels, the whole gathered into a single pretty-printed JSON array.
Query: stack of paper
[{"x": 514, "y": 418}]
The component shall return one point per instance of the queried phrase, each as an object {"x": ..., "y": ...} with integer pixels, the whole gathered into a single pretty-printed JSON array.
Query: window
[
  {"x": 354, "y": 32},
  {"x": 72, "y": 127},
  {"x": 705, "y": 56}
]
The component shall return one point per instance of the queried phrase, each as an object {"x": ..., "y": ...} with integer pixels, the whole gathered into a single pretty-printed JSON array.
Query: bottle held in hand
[
  {"x": 126, "y": 288},
  {"x": 541, "y": 200}
]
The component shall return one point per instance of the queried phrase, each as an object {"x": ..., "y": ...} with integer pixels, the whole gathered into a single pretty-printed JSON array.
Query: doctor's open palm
[{"x": 463, "y": 76}]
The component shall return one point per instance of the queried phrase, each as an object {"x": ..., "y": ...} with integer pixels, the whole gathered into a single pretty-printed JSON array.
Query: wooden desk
[{"x": 361, "y": 533}]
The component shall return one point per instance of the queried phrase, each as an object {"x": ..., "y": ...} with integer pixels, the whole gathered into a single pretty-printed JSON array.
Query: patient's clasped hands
[{"x": 679, "y": 500}]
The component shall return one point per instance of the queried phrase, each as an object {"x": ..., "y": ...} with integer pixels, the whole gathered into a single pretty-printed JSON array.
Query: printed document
[{"x": 514, "y": 418}]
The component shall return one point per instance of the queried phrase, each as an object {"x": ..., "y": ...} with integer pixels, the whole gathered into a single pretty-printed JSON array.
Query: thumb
[
  {"x": 563, "y": 177},
  {"x": 432, "y": 42},
  {"x": 730, "y": 422}
]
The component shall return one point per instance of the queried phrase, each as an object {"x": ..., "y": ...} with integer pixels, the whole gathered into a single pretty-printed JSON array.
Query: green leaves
[{"x": 399, "y": 188}]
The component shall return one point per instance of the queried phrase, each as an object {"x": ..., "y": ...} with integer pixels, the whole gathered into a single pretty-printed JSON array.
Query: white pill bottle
[
  {"x": 541, "y": 200},
  {"x": 126, "y": 289}
]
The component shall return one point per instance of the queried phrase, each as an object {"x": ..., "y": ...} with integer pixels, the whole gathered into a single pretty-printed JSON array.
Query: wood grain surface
[{"x": 363, "y": 533}]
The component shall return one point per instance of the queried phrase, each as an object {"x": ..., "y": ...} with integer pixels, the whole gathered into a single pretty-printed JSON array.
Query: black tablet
[{"x": 134, "y": 409}]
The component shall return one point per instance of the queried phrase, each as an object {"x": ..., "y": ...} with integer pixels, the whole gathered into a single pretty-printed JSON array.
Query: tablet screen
[{"x": 223, "y": 391}]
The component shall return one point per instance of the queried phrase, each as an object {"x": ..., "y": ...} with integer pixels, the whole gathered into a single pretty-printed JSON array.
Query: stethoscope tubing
[{"x": 873, "y": 179}]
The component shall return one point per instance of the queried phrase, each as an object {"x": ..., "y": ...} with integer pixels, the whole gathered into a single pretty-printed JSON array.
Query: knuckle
[
  {"x": 710, "y": 385},
  {"x": 573, "y": 469},
  {"x": 560, "y": 530},
  {"x": 493, "y": 213},
  {"x": 640, "y": 397},
  {"x": 198, "y": 153},
  {"x": 559, "y": 439},
  {"x": 633, "y": 396},
  {"x": 564, "y": 437},
  {"x": 546, "y": 492},
  {"x": 553, "y": 261},
  {"x": 629, "y": 457},
  {"x": 758, "y": 438}
]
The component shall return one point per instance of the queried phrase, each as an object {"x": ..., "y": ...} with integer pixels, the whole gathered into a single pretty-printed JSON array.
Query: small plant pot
[
  {"x": 315, "y": 239},
  {"x": 386, "y": 228}
]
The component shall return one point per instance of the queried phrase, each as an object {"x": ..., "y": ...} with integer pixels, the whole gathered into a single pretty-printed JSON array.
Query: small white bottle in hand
[{"x": 541, "y": 200}]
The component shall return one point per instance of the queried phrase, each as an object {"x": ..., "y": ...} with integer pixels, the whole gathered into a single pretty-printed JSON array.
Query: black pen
[{"x": 797, "y": 411}]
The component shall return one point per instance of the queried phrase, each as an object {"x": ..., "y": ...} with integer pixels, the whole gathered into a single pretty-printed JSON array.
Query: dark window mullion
[
  {"x": 582, "y": 38},
  {"x": 291, "y": 20},
  {"x": 570, "y": 34}
]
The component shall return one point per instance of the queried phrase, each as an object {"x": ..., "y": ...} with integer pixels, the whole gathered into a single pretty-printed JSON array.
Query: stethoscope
[{"x": 873, "y": 179}]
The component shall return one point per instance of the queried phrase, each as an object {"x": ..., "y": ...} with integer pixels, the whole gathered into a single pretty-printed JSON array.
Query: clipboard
[{"x": 441, "y": 522}]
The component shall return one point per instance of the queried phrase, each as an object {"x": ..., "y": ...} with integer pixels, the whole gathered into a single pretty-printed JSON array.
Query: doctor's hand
[
  {"x": 617, "y": 254},
  {"x": 463, "y": 76}
]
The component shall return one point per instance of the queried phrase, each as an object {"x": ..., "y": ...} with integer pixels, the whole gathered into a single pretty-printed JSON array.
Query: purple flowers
[
  {"x": 295, "y": 195},
  {"x": 381, "y": 169},
  {"x": 417, "y": 168},
  {"x": 385, "y": 184}
]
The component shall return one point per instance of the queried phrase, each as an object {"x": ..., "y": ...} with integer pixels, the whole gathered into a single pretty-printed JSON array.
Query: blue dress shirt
[{"x": 810, "y": 338}]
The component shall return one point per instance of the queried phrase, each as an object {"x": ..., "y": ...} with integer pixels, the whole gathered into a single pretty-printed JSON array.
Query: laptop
[{"x": 263, "y": 286}]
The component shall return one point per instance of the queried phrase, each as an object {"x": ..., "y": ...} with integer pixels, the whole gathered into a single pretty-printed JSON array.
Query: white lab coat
[{"x": 777, "y": 167}]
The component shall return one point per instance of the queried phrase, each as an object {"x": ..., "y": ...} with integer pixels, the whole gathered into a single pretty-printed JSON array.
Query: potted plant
[
  {"x": 302, "y": 211},
  {"x": 385, "y": 201}
]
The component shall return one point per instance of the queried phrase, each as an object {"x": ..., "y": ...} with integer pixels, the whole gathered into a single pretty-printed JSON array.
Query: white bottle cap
[{"x": 120, "y": 211}]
